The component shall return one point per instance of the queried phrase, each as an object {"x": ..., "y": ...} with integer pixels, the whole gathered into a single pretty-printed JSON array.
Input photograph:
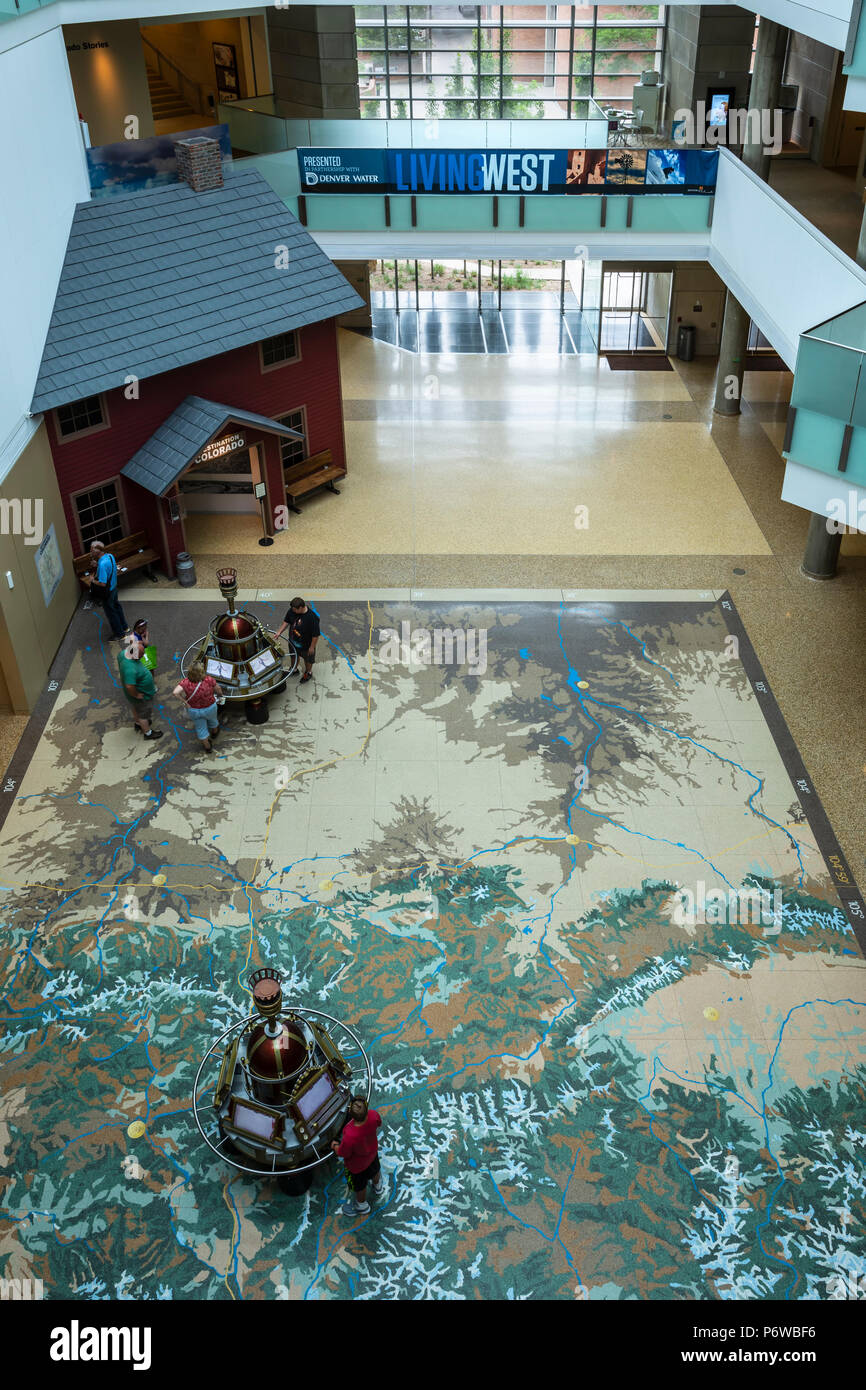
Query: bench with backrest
[
  {"x": 131, "y": 553},
  {"x": 319, "y": 470}
]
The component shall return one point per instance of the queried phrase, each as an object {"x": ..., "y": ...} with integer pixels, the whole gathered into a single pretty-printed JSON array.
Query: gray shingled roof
[
  {"x": 193, "y": 424},
  {"x": 156, "y": 280}
]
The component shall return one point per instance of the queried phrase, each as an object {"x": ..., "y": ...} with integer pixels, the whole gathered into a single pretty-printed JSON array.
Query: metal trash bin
[
  {"x": 185, "y": 570},
  {"x": 686, "y": 342}
]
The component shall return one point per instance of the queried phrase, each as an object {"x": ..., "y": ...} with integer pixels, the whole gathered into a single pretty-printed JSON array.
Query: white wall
[
  {"x": 781, "y": 268},
  {"x": 43, "y": 176}
]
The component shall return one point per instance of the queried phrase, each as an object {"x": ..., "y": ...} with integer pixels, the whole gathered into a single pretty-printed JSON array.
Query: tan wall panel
[
  {"x": 109, "y": 83},
  {"x": 33, "y": 630}
]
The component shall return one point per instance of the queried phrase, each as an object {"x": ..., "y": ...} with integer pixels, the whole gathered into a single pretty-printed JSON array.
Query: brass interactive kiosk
[
  {"x": 280, "y": 1086},
  {"x": 244, "y": 656}
]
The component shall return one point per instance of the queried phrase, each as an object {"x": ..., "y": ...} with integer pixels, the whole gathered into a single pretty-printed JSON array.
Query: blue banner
[{"x": 525, "y": 172}]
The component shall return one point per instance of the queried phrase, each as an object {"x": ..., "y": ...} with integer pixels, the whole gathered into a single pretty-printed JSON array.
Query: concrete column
[
  {"x": 822, "y": 549},
  {"x": 764, "y": 91},
  {"x": 707, "y": 46},
  {"x": 314, "y": 61},
  {"x": 732, "y": 358}
]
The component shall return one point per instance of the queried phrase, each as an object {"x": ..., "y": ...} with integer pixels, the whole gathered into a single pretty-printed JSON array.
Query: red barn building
[{"x": 191, "y": 355}]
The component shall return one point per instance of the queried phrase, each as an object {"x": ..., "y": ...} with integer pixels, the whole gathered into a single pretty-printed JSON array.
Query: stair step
[{"x": 165, "y": 101}]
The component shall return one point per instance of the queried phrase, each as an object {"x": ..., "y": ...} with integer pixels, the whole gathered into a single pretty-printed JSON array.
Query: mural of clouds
[{"x": 128, "y": 166}]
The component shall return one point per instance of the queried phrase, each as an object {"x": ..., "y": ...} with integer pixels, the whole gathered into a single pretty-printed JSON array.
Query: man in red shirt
[{"x": 359, "y": 1149}]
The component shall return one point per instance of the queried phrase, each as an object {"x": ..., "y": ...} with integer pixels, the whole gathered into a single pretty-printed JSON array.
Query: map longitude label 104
[{"x": 587, "y": 927}]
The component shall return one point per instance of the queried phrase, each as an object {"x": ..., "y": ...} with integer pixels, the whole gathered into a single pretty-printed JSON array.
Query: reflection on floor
[
  {"x": 528, "y": 322},
  {"x": 448, "y": 321},
  {"x": 560, "y": 882}
]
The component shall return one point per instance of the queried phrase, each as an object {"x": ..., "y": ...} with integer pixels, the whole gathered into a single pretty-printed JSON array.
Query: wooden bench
[
  {"x": 319, "y": 470},
  {"x": 131, "y": 553}
]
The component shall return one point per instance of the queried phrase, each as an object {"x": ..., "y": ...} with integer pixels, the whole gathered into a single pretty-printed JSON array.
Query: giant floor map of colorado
[{"x": 571, "y": 886}]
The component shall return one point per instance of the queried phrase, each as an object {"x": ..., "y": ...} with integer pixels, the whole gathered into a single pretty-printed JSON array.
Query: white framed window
[
  {"x": 276, "y": 352},
  {"x": 80, "y": 417},
  {"x": 293, "y": 450}
]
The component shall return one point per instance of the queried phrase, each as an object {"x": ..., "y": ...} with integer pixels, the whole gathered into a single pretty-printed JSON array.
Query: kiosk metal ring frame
[
  {"x": 361, "y": 1081},
  {"x": 200, "y": 651}
]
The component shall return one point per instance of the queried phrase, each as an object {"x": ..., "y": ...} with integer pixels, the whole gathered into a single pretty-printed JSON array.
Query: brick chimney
[{"x": 199, "y": 162}]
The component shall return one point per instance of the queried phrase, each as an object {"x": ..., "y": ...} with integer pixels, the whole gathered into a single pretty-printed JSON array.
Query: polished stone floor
[{"x": 533, "y": 456}]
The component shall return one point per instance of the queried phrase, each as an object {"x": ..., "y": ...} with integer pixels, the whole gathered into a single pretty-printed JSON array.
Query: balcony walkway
[{"x": 829, "y": 200}]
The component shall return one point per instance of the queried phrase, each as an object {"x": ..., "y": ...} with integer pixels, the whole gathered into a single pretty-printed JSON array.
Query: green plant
[{"x": 456, "y": 105}]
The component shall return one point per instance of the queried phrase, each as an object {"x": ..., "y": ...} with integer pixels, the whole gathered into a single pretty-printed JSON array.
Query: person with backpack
[
  {"x": 139, "y": 687},
  {"x": 199, "y": 692},
  {"x": 103, "y": 588}
]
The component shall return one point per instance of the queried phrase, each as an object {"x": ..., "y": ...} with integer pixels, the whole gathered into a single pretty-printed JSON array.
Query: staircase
[{"x": 165, "y": 102}]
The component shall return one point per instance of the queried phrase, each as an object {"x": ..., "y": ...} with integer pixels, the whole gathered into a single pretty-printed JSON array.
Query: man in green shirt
[{"x": 139, "y": 686}]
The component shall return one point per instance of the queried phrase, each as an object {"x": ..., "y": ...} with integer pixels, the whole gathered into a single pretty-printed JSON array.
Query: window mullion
[{"x": 570, "y": 88}]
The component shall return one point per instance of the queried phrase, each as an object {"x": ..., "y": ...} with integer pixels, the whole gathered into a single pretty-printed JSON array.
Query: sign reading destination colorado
[{"x": 506, "y": 171}]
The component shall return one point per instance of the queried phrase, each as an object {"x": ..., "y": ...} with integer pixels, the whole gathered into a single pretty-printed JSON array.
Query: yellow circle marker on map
[
  {"x": 583, "y": 685},
  {"x": 158, "y": 880},
  {"x": 572, "y": 839},
  {"x": 136, "y": 1129},
  {"x": 711, "y": 1013},
  {"x": 326, "y": 885}
]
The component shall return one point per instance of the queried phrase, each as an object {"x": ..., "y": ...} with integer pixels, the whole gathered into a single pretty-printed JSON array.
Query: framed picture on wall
[{"x": 226, "y": 65}]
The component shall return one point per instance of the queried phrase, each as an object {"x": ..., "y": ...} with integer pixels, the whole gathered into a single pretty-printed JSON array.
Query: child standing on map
[{"x": 359, "y": 1149}]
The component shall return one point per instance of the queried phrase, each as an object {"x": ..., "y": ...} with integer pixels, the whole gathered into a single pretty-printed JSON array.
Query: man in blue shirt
[{"x": 103, "y": 567}]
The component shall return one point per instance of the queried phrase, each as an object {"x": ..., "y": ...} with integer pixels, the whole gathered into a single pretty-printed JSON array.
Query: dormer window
[
  {"x": 80, "y": 417},
  {"x": 279, "y": 350}
]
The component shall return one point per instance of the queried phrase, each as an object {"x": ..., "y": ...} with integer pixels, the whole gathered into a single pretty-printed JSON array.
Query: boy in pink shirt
[{"x": 359, "y": 1149}]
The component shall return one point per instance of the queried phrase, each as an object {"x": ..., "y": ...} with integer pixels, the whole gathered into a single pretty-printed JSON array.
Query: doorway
[
  {"x": 480, "y": 306},
  {"x": 223, "y": 482},
  {"x": 634, "y": 308}
]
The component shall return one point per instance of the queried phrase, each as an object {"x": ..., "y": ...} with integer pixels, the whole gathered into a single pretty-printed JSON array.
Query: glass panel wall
[
  {"x": 495, "y": 62},
  {"x": 635, "y": 309}
]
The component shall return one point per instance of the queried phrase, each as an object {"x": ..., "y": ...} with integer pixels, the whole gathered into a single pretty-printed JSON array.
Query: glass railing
[
  {"x": 454, "y": 212},
  {"x": 827, "y": 421},
  {"x": 264, "y": 125},
  {"x": 11, "y": 9}
]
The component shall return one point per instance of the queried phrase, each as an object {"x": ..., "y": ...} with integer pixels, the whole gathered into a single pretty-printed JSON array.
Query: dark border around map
[{"x": 816, "y": 816}]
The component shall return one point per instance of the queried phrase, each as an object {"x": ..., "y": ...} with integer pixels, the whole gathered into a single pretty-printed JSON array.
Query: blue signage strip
[{"x": 508, "y": 171}]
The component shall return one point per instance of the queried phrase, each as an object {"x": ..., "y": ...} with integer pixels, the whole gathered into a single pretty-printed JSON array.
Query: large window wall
[{"x": 495, "y": 62}]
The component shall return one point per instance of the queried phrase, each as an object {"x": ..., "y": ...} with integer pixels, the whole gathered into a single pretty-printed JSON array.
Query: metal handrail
[{"x": 199, "y": 97}]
